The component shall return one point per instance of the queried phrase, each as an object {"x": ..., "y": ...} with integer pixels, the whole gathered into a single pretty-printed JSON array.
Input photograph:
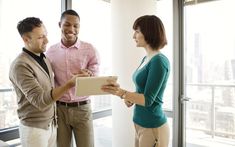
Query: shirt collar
[
  {"x": 76, "y": 45},
  {"x": 42, "y": 55}
]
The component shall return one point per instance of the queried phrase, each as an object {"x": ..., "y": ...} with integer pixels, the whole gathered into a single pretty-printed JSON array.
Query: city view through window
[{"x": 210, "y": 73}]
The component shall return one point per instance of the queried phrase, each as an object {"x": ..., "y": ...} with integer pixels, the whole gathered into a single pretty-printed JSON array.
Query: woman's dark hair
[
  {"x": 28, "y": 24},
  {"x": 69, "y": 12},
  {"x": 153, "y": 30}
]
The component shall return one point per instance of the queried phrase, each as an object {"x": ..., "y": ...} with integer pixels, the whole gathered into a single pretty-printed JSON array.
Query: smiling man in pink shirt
[{"x": 68, "y": 57}]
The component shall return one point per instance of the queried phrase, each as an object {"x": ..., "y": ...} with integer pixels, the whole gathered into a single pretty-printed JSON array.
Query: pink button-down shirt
[{"x": 68, "y": 61}]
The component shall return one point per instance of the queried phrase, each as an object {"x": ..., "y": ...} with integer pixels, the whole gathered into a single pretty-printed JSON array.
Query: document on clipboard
[{"x": 86, "y": 86}]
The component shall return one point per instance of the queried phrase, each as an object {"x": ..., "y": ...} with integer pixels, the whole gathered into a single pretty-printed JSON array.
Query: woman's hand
[
  {"x": 128, "y": 103},
  {"x": 113, "y": 87}
]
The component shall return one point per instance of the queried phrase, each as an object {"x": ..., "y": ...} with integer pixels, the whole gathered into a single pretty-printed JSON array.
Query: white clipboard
[{"x": 86, "y": 86}]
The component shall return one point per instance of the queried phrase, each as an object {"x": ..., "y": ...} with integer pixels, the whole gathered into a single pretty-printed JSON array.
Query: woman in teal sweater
[{"x": 150, "y": 79}]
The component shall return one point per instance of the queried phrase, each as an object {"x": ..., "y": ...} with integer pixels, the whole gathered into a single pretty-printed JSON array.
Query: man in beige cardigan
[{"x": 33, "y": 80}]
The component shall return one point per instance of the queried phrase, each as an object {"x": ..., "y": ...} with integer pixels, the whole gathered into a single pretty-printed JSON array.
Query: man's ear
[
  {"x": 25, "y": 38},
  {"x": 59, "y": 24}
]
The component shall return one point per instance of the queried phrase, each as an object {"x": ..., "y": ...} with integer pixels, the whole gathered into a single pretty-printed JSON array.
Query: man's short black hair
[
  {"x": 28, "y": 24},
  {"x": 69, "y": 12}
]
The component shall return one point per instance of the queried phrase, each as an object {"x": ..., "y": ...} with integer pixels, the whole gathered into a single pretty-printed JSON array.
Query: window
[
  {"x": 11, "y": 12},
  {"x": 209, "y": 65},
  {"x": 164, "y": 12},
  {"x": 96, "y": 28}
]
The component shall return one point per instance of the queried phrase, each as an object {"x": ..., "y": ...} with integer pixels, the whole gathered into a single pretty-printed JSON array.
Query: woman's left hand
[{"x": 112, "y": 87}]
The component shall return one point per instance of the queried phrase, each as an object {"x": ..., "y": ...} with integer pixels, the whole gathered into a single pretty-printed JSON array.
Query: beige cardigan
[{"x": 33, "y": 86}]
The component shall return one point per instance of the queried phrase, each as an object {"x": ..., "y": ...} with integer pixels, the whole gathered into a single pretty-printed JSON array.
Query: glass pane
[
  {"x": 11, "y": 12},
  {"x": 210, "y": 74},
  {"x": 103, "y": 132},
  {"x": 95, "y": 28},
  {"x": 165, "y": 13}
]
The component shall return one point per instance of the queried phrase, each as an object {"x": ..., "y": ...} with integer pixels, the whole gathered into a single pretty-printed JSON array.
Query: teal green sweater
[{"x": 151, "y": 80}]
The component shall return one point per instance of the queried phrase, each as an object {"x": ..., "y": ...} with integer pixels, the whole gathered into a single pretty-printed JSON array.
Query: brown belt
[{"x": 74, "y": 104}]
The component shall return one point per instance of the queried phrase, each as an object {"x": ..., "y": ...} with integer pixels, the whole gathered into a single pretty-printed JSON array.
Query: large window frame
[{"x": 12, "y": 133}]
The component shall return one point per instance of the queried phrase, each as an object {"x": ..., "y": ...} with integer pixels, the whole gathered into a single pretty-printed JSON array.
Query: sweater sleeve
[
  {"x": 25, "y": 80},
  {"x": 156, "y": 76}
]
